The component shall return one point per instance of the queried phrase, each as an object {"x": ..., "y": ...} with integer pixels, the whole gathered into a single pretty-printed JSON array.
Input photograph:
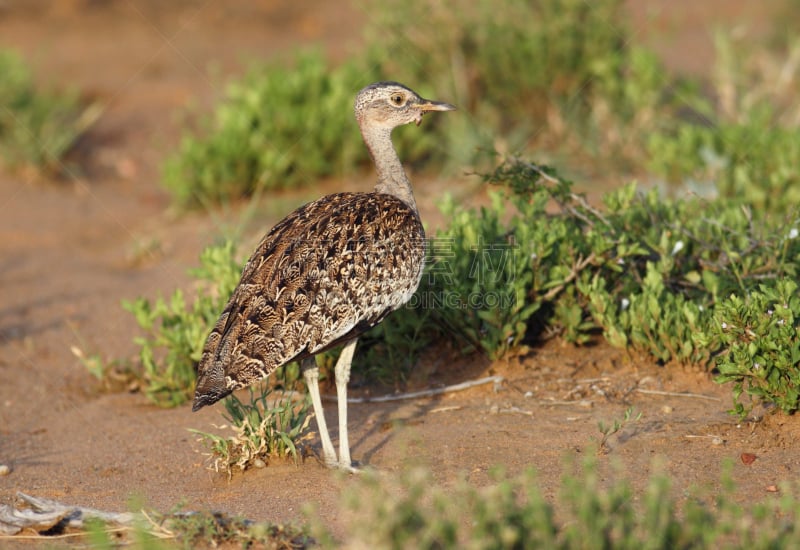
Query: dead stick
[
  {"x": 678, "y": 394},
  {"x": 516, "y": 410},
  {"x": 422, "y": 393}
]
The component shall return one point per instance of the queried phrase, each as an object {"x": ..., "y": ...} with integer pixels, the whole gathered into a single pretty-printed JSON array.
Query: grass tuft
[
  {"x": 262, "y": 430},
  {"x": 417, "y": 512},
  {"x": 38, "y": 127},
  {"x": 176, "y": 331}
]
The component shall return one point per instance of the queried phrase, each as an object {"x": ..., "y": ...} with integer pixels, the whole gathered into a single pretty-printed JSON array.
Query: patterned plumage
[{"x": 326, "y": 273}]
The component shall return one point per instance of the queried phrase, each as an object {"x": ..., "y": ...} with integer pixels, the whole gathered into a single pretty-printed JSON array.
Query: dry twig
[
  {"x": 678, "y": 394},
  {"x": 423, "y": 393}
]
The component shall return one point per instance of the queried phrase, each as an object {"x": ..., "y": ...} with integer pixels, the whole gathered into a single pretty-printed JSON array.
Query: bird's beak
[{"x": 426, "y": 105}]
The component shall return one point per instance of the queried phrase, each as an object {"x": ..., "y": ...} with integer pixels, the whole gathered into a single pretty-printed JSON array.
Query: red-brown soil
[{"x": 72, "y": 249}]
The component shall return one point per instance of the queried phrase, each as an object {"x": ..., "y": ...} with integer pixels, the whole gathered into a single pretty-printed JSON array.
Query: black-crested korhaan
[{"x": 326, "y": 273}]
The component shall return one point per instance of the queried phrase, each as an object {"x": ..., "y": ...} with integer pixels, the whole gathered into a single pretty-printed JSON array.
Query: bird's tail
[{"x": 210, "y": 388}]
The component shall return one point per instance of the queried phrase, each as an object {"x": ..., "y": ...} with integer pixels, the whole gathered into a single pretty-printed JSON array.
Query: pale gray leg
[
  {"x": 311, "y": 375},
  {"x": 342, "y": 378}
]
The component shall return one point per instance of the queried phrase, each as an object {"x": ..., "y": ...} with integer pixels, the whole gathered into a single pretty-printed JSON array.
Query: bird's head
[{"x": 390, "y": 104}]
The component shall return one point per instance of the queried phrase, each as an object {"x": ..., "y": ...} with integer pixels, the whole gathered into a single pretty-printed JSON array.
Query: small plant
[
  {"x": 653, "y": 320},
  {"x": 277, "y": 127},
  {"x": 111, "y": 375},
  {"x": 154, "y": 530},
  {"x": 37, "y": 128},
  {"x": 214, "y": 529},
  {"x": 760, "y": 336},
  {"x": 176, "y": 332},
  {"x": 607, "y": 431},
  {"x": 746, "y": 146},
  {"x": 478, "y": 285},
  {"x": 390, "y": 350},
  {"x": 261, "y": 430},
  {"x": 416, "y": 512}
]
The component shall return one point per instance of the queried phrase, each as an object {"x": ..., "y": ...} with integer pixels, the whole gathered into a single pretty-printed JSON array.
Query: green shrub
[
  {"x": 759, "y": 335},
  {"x": 279, "y": 126},
  {"x": 511, "y": 512},
  {"x": 654, "y": 320},
  {"x": 744, "y": 146},
  {"x": 389, "y": 351},
  {"x": 647, "y": 272},
  {"x": 176, "y": 332},
  {"x": 37, "y": 127},
  {"x": 477, "y": 287},
  {"x": 507, "y": 69},
  {"x": 274, "y": 128},
  {"x": 752, "y": 161}
]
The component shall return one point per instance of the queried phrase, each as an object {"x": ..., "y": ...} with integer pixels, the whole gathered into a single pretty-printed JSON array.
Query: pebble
[
  {"x": 258, "y": 463},
  {"x": 4, "y": 470},
  {"x": 528, "y": 394},
  {"x": 666, "y": 409}
]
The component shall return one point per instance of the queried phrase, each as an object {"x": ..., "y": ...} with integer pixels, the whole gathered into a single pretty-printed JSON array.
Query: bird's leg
[
  {"x": 342, "y": 378},
  {"x": 311, "y": 375}
]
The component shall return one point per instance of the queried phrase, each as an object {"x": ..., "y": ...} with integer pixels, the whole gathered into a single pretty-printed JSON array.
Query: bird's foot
[{"x": 349, "y": 467}]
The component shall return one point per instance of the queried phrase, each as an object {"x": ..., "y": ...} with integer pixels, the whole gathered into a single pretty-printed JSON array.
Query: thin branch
[
  {"x": 541, "y": 172},
  {"x": 422, "y": 393},
  {"x": 678, "y": 394},
  {"x": 516, "y": 410},
  {"x": 576, "y": 269},
  {"x": 583, "y": 403},
  {"x": 573, "y": 196},
  {"x": 446, "y": 409}
]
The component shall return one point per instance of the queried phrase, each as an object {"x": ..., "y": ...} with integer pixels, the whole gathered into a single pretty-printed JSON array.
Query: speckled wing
[{"x": 324, "y": 274}]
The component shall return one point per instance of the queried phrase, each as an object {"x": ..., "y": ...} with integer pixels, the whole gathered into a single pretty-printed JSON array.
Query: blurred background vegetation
[{"x": 562, "y": 78}]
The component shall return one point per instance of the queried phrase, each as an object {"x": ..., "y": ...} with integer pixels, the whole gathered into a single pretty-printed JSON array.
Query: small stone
[
  {"x": 4, "y": 470},
  {"x": 748, "y": 458},
  {"x": 717, "y": 441},
  {"x": 528, "y": 394},
  {"x": 666, "y": 409},
  {"x": 772, "y": 488},
  {"x": 258, "y": 463}
]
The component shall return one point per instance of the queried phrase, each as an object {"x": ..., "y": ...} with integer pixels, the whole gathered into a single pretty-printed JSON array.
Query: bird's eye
[{"x": 397, "y": 99}]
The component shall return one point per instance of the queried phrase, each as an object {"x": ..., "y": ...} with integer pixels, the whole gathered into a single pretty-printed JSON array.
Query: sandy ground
[{"x": 71, "y": 250}]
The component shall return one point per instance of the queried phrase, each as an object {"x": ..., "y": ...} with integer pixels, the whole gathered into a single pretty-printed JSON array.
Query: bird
[{"x": 325, "y": 274}]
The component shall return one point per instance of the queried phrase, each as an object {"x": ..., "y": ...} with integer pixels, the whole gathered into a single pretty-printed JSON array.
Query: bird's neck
[{"x": 392, "y": 179}]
